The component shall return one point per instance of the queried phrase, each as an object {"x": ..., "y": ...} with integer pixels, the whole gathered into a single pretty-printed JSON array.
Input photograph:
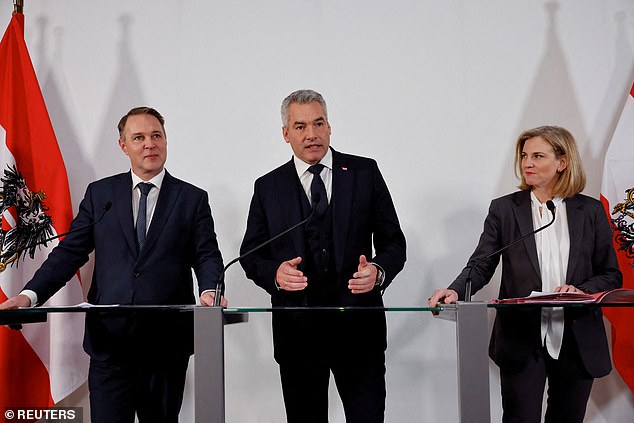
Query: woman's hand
[{"x": 568, "y": 288}]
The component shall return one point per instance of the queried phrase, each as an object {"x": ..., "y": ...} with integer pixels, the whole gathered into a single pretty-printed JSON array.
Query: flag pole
[{"x": 18, "y": 6}]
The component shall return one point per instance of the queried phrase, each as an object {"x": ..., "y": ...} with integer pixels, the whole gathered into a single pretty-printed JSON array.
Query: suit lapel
[
  {"x": 524, "y": 219},
  {"x": 574, "y": 211},
  {"x": 170, "y": 190},
  {"x": 341, "y": 202},
  {"x": 123, "y": 207},
  {"x": 290, "y": 203}
]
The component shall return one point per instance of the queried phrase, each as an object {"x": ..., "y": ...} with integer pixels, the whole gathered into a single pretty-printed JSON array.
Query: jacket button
[{"x": 136, "y": 274}]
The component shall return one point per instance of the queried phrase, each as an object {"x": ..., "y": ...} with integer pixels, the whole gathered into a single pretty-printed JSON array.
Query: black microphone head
[
  {"x": 551, "y": 206},
  {"x": 107, "y": 206}
]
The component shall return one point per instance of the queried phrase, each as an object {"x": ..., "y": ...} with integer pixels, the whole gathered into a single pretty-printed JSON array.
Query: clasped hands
[{"x": 289, "y": 278}]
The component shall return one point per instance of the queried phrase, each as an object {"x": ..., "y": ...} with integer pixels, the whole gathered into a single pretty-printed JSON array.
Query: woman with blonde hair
[{"x": 567, "y": 347}]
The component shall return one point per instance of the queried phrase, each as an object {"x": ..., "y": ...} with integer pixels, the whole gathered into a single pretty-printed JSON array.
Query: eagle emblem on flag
[
  {"x": 23, "y": 219},
  {"x": 624, "y": 224}
]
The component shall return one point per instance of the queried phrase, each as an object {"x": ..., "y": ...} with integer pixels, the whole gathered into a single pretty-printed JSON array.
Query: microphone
[
  {"x": 467, "y": 296},
  {"x": 221, "y": 280},
  {"x": 14, "y": 254}
]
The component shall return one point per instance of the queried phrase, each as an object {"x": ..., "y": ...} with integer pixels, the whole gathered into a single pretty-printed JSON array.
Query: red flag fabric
[
  {"x": 617, "y": 195},
  {"x": 42, "y": 363}
]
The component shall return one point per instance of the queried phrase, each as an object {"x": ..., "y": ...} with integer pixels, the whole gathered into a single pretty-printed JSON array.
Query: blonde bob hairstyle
[{"x": 572, "y": 180}]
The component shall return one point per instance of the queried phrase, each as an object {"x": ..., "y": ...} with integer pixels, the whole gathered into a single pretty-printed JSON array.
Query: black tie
[
  {"x": 141, "y": 218},
  {"x": 318, "y": 195}
]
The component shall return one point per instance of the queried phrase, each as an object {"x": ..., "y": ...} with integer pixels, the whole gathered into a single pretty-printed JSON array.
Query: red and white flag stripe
[
  {"x": 42, "y": 363},
  {"x": 617, "y": 196}
]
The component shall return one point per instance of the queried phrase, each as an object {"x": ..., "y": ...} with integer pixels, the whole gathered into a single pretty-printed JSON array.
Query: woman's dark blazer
[{"x": 592, "y": 267}]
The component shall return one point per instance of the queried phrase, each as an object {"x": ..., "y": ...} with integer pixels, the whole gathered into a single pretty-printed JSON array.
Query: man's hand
[
  {"x": 289, "y": 278},
  {"x": 442, "y": 296},
  {"x": 364, "y": 279},
  {"x": 15, "y": 302},
  {"x": 208, "y": 297}
]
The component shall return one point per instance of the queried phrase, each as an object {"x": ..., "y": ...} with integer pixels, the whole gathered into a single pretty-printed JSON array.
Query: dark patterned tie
[
  {"x": 141, "y": 218},
  {"x": 318, "y": 195}
]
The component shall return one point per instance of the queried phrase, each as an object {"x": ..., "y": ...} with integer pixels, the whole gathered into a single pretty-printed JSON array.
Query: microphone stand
[{"x": 467, "y": 295}]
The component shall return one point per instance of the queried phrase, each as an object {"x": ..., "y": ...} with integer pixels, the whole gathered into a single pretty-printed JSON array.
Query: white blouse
[{"x": 553, "y": 249}]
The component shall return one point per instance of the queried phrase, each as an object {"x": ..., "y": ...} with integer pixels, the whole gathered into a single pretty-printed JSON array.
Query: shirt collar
[
  {"x": 157, "y": 181},
  {"x": 558, "y": 201},
  {"x": 301, "y": 166}
]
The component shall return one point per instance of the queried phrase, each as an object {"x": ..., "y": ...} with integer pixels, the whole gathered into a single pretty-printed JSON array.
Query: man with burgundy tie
[
  {"x": 148, "y": 231},
  {"x": 328, "y": 262}
]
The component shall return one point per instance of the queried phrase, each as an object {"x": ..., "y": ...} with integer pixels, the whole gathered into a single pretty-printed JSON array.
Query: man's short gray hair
[{"x": 302, "y": 97}]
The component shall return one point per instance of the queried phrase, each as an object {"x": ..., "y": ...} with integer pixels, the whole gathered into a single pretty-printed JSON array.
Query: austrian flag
[
  {"x": 42, "y": 363},
  {"x": 617, "y": 196}
]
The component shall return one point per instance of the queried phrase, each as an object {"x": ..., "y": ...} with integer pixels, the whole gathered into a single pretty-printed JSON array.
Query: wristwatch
[{"x": 380, "y": 275}]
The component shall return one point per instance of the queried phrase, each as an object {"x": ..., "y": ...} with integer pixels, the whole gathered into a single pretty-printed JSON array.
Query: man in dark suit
[
  {"x": 326, "y": 262},
  {"x": 138, "y": 363}
]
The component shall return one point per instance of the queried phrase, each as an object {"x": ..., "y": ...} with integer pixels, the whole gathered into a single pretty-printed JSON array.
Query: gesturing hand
[
  {"x": 289, "y": 278},
  {"x": 364, "y": 278}
]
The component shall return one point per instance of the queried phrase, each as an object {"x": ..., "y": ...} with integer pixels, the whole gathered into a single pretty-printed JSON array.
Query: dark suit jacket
[
  {"x": 592, "y": 267},
  {"x": 180, "y": 238},
  {"x": 362, "y": 211}
]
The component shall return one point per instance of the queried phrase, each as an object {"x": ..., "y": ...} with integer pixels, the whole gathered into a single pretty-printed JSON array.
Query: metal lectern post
[
  {"x": 473, "y": 362},
  {"x": 209, "y": 365}
]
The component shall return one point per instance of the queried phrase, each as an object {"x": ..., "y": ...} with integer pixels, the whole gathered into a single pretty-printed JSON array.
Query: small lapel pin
[{"x": 344, "y": 168}]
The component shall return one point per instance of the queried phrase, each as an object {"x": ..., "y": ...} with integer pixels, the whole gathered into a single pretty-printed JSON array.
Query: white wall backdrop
[{"x": 436, "y": 91}]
